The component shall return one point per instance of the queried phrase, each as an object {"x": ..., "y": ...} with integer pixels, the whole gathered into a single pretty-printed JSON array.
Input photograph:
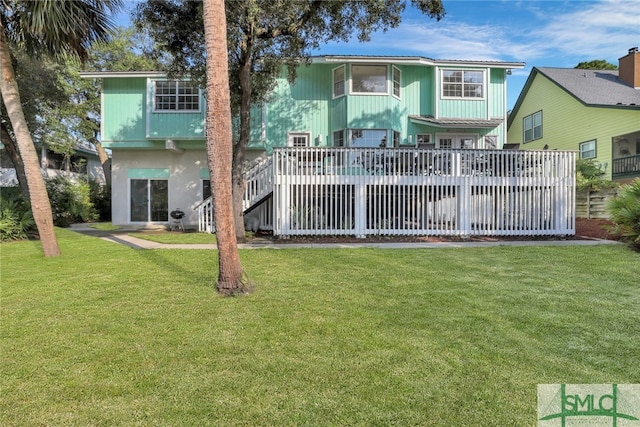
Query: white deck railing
[
  {"x": 258, "y": 185},
  {"x": 258, "y": 182},
  {"x": 407, "y": 191}
]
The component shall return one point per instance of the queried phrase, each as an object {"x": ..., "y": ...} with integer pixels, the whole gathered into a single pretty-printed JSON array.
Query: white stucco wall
[{"x": 185, "y": 182}]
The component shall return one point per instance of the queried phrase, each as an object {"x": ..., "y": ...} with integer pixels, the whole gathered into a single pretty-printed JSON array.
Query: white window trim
[
  {"x": 393, "y": 69},
  {"x": 333, "y": 81},
  {"x": 153, "y": 99},
  {"x": 291, "y": 135},
  {"x": 465, "y": 98},
  {"x": 524, "y": 129},
  {"x": 388, "y": 82},
  {"x": 456, "y": 137},
  {"x": 595, "y": 149},
  {"x": 344, "y": 139}
]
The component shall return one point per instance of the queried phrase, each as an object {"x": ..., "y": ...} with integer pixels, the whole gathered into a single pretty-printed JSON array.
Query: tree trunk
[
  {"x": 40, "y": 205},
  {"x": 231, "y": 277},
  {"x": 105, "y": 161},
  {"x": 12, "y": 151},
  {"x": 243, "y": 143}
]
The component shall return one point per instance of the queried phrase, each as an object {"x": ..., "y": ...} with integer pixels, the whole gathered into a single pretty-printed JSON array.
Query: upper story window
[
  {"x": 397, "y": 74},
  {"x": 532, "y": 126},
  {"x": 338, "y": 81},
  {"x": 462, "y": 84},
  {"x": 370, "y": 79},
  {"x": 176, "y": 95},
  {"x": 588, "y": 149}
]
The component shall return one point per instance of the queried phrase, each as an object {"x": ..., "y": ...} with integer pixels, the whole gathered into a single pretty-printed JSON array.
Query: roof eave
[
  {"x": 470, "y": 125},
  {"x": 415, "y": 60},
  {"x": 120, "y": 74}
]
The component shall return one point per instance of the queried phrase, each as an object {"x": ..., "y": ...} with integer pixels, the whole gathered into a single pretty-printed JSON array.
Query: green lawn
[
  {"x": 175, "y": 237},
  {"x": 109, "y": 336}
]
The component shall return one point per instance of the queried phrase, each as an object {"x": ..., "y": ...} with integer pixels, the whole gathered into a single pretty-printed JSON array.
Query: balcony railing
[
  {"x": 307, "y": 161},
  {"x": 624, "y": 167}
]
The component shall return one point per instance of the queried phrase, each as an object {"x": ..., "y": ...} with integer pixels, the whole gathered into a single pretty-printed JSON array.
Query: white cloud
[
  {"x": 600, "y": 30},
  {"x": 545, "y": 33}
]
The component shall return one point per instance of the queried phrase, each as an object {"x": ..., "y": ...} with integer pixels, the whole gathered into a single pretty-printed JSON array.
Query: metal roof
[
  {"x": 116, "y": 74},
  {"x": 417, "y": 60},
  {"x": 457, "y": 122}
]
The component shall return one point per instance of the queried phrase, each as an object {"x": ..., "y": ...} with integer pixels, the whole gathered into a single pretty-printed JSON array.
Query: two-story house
[
  {"x": 155, "y": 126},
  {"x": 595, "y": 112}
]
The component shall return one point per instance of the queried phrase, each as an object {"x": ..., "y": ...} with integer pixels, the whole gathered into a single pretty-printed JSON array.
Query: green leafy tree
[
  {"x": 44, "y": 28},
  {"x": 264, "y": 36},
  {"x": 39, "y": 91},
  {"x": 597, "y": 64}
]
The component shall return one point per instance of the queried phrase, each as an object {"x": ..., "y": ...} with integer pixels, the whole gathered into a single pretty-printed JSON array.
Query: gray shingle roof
[{"x": 594, "y": 87}]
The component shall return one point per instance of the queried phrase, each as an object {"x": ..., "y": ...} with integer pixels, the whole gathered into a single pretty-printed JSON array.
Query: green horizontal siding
[{"x": 566, "y": 122}]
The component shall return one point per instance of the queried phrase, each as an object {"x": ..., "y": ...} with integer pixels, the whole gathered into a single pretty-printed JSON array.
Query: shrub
[
  {"x": 16, "y": 220},
  {"x": 589, "y": 176},
  {"x": 625, "y": 213},
  {"x": 70, "y": 201},
  {"x": 100, "y": 196}
]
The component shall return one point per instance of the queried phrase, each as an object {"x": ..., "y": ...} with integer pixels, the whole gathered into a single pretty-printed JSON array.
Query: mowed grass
[
  {"x": 106, "y": 335},
  {"x": 176, "y": 237}
]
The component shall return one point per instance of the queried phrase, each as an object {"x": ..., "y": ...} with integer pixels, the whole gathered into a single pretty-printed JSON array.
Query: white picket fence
[{"x": 409, "y": 191}]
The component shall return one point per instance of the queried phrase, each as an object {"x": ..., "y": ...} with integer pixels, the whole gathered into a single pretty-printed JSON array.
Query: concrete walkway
[{"x": 122, "y": 236}]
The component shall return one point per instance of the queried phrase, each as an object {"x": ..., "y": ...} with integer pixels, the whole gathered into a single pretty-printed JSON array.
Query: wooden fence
[
  {"x": 408, "y": 191},
  {"x": 593, "y": 204}
]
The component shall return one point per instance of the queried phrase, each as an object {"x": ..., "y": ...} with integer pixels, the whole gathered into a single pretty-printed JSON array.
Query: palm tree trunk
[
  {"x": 231, "y": 277},
  {"x": 40, "y": 205}
]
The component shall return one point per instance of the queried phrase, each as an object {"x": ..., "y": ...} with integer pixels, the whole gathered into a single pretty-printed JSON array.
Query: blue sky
[{"x": 541, "y": 33}]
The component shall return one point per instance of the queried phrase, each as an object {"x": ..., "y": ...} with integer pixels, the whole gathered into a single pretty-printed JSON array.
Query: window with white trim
[
  {"x": 338, "y": 81},
  {"x": 176, "y": 95},
  {"x": 588, "y": 149},
  {"x": 397, "y": 75},
  {"x": 369, "y": 79},
  {"x": 532, "y": 127},
  {"x": 298, "y": 139},
  {"x": 462, "y": 84}
]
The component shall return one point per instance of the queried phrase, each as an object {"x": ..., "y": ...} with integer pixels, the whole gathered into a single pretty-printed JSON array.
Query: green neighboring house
[
  {"x": 154, "y": 126},
  {"x": 595, "y": 112}
]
